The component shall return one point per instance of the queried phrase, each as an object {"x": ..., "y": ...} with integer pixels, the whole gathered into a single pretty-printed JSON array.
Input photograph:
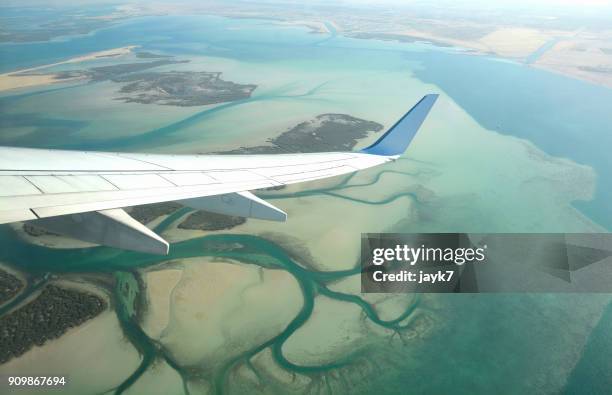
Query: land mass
[
  {"x": 10, "y": 286},
  {"x": 51, "y": 314},
  {"x": 564, "y": 40},
  {"x": 59, "y": 21},
  {"x": 139, "y": 85},
  {"x": 181, "y": 88},
  {"x": 104, "y": 73},
  {"x": 326, "y": 132},
  {"x": 518, "y": 34},
  {"x": 32, "y": 77},
  {"x": 150, "y": 212},
  {"x": 36, "y": 231},
  {"x": 205, "y": 220}
]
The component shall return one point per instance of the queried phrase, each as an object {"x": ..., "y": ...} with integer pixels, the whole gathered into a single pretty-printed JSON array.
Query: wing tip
[{"x": 395, "y": 140}]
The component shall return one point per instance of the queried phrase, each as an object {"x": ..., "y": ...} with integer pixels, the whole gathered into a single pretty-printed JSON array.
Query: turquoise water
[
  {"x": 40, "y": 261},
  {"x": 592, "y": 374},
  {"x": 562, "y": 116}
]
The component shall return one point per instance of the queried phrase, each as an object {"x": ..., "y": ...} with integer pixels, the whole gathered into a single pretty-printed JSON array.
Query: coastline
[
  {"x": 500, "y": 43},
  {"x": 23, "y": 79}
]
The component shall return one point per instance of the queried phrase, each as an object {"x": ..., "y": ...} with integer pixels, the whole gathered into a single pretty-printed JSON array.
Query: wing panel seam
[{"x": 34, "y": 185}]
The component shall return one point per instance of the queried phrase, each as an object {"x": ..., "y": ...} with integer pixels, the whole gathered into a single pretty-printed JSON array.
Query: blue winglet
[{"x": 398, "y": 137}]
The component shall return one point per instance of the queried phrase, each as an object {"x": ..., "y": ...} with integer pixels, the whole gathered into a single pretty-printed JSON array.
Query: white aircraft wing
[{"x": 81, "y": 194}]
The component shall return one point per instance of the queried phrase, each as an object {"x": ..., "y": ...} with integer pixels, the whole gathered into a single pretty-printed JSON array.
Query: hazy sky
[
  {"x": 456, "y": 4},
  {"x": 492, "y": 4},
  {"x": 489, "y": 3}
]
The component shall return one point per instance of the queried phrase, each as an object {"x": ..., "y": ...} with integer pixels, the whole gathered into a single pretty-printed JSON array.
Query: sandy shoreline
[
  {"x": 19, "y": 79},
  {"x": 566, "y": 57}
]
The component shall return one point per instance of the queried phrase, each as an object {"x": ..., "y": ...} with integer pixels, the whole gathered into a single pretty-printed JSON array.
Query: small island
[
  {"x": 204, "y": 220},
  {"x": 147, "y": 213},
  {"x": 170, "y": 88},
  {"x": 36, "y": 231},
  {"x": 112, "y": 72},
  {"x": 326, "y": 132},
  {"x": 181, "y": 88}
]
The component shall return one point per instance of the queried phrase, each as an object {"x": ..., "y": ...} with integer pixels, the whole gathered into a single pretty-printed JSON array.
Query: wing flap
[
  {"x": 113, "y": 228},
  {"x": 241, "y": 204}
]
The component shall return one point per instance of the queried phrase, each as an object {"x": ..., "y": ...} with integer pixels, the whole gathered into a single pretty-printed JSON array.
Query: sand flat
[
  {"x": 222, "y": 318},
  {"x": 93, "y": 357},
  {"x": 335, "y": 330},
  {"x": 21, "y": 78},
  {"x": 580, "y": 57},
  {"x": 159, "y": 287},
  {"x": 49, "y": 240},
  {"x": 515, "y": 42}
]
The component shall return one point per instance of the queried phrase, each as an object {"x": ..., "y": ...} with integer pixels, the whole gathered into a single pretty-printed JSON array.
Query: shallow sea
[{"x": 490, "y": 341}]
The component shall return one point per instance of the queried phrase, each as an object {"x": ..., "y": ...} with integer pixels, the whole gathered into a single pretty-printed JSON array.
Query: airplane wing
[{"x": 81, "y": 194}]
